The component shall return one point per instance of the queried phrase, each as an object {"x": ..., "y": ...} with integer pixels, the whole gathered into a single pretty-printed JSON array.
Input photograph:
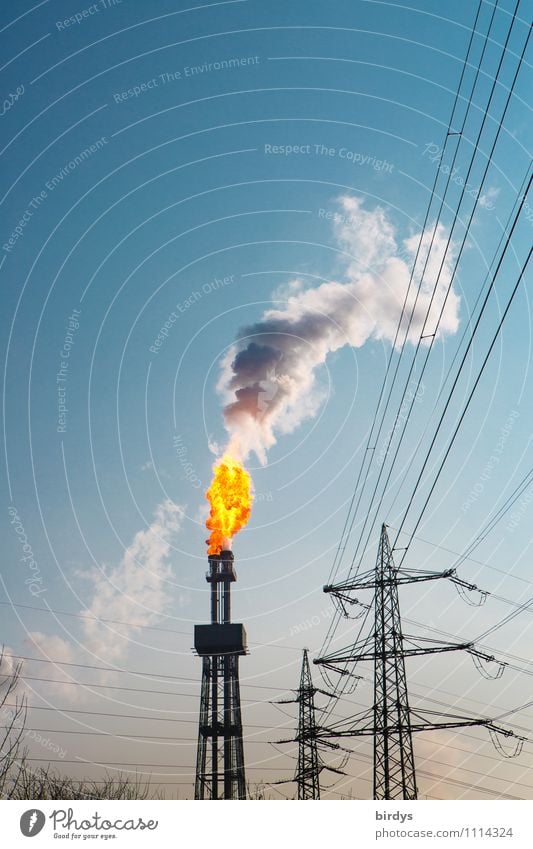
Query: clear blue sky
[{"x": 139, "y": 180}]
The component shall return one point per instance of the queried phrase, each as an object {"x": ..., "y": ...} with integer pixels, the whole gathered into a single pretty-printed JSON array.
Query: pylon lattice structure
[
  {"x": 308, "y": 771},
  {"x": 394, "y": 763},
  {"x": 391, "y": 721},
  {"x": 220, "y": 770},
  {"x": 310, "y": 764}
]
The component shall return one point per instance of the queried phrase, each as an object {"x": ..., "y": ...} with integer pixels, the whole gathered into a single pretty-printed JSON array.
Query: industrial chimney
[{"x": 220, "y": 757}]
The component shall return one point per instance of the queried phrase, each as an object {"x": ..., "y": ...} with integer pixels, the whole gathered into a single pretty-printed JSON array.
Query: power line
[
  {"x": 510, "y": 616},
  {"x": 81, "y": 762},
  {"x": 140, "y": 673},
  {"x": 465, "y": 558},
  {"x": 452, "y": 277},
  {"x": 334, "y": 623},
  {"x": 503, "y": 237},
  {"x": 129, "y": 624},
  {"x": 465, "y": 409},
  {"x": 344, "y": 539},
  {"x": 428, "y": 311},
  {"x": 88, "y": 685}
]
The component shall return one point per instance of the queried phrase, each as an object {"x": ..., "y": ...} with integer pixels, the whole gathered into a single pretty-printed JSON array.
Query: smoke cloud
[
  {"x": 135, "y": 591},
  {"x": 268, "y": 378}
]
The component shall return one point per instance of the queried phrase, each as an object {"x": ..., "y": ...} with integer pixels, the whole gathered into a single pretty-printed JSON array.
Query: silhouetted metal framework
[
  {"x": 308, "y": 771},
  {"x": 310, "y": 764},
  {"x": 391, "y": 721},
  {"x": 220, "y": 757}
]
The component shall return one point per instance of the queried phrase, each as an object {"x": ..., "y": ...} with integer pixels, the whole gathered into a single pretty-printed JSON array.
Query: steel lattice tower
[
  {"x": 310, "y": 764},
  {"x": 308, "y": 769},
  {"x": 394, "y": 764},
  {"x": 391, "y": 722},
  {"x": 220, "y": 757}
]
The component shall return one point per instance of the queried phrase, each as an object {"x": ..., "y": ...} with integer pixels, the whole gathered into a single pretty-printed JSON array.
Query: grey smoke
[{"x": 268, "y": 378}]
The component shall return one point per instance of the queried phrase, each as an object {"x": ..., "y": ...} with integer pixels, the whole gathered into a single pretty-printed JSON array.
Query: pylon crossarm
[
  {"x": 331, "y": 663},
  {"x": 435, "y": 726},
  {"x": 368, "y": 581},
  {"x": 461, "y": 585},
  {"x": 326, "y": 693},
  {"x": 417, "y": 651},
  {"x": 396, "y": 729},
  {"x": 336, "y": 747},
  {"x": 340, "y": 655},
  {"x": 422, "y": 574},
  {"x": 362, "y": 725},
  {"x": 453, "y": 721},
  {"x": 429, "y": 645},
  {"x": 331, "y": 769},
  {"x": 410, "y": 577},
  {"x": 343, "y": 602},
  {"x": 350, "y": 583}
]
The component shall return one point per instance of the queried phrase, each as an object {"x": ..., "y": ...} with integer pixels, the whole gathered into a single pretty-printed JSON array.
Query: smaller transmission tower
[
  {"x": 220, "y": 758},
  {"x": 310, "y": 765},
  {"x": 391, "y": 722}
]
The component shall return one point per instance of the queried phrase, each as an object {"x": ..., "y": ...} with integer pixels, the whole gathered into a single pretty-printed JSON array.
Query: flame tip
[{"x": 230, "y": 497}]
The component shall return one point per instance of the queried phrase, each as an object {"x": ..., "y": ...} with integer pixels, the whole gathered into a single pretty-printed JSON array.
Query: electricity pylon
[
  {"x": 310, "y": 764},
  {"x": 391, "y": 721}
]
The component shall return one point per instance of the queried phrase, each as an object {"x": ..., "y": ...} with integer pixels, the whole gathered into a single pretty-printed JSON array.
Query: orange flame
[{"x": 230, "y": 497}]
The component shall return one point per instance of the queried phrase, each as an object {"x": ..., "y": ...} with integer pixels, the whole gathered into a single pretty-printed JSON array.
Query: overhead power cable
[
  {"x": 432, "y": 336},
  {"x": 334, "y": 623}
]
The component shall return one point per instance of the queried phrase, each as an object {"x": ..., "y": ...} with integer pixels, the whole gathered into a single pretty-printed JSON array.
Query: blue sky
[{"x": 164, "y": 189}]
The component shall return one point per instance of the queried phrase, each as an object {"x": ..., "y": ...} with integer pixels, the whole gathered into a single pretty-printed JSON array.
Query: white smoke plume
[
  {"x": 135, "y": 591},
  {"x": 268, "y": 378}
]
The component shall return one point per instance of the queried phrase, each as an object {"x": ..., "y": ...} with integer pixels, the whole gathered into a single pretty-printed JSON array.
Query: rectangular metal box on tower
[{"x": 215, "y": 639}]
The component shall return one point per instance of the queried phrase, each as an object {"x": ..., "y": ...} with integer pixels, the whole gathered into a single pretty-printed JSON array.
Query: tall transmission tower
[
  {"x": 310, "y": 764},
  {"x": 308, "y": 770},
  {"x": 220, "y": 756},
  {"x": 391, "y": 721}
]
